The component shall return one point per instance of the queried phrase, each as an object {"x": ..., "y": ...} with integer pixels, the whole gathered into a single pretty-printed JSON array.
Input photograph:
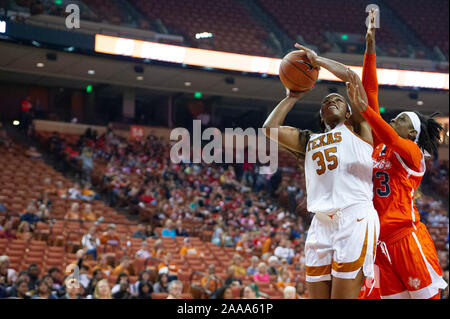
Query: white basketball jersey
[{"x": 338, "y": 170}]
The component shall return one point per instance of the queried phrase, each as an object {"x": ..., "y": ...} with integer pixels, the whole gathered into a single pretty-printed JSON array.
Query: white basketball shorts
[{"x": 339, "y": 244}]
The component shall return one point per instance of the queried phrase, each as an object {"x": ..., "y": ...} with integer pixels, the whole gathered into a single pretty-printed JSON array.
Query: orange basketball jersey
[{"x": 394, "y": 186}]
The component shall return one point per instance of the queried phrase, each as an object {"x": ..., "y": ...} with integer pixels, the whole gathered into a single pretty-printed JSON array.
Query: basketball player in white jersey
[{"x": 341, "y": 240}]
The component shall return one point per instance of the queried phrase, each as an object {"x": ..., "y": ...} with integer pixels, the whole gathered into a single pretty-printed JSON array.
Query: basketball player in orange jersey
[
  {"x": 406, "y": 257},
  {"x": 342, "y": 237}
]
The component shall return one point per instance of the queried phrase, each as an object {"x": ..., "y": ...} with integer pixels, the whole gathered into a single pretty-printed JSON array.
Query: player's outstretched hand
[
  {"x": 370, "y": 35},
  {"x": 355, "y": 91},
  {"x": 312, "y": 56}
]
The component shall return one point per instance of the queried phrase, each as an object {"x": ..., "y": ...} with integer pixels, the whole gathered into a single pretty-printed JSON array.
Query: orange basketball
[{"x": 296, "y": 72}]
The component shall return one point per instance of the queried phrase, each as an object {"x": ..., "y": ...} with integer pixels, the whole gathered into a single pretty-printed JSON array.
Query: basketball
[{"x": 296, "y": 72}]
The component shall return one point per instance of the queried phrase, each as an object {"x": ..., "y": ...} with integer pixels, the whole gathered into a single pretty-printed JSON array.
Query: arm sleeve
[
  {"x": 407, "y": 149},
  {"x": 370, "y": 80},
  {"x": 370, "y": 84}
]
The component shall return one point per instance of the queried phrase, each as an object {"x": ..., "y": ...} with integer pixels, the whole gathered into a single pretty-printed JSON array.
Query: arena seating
[
  {"x": 232, "y": 27},
  {"x": 429, "y": 20},
  {"x": 107, "y": 10},
  {"x": 55, "y": 244},
  {"x": 311, "y": 21}
]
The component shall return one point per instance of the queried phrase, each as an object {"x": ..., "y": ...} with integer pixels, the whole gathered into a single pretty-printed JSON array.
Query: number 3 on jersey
[
  {"x": 331, "y": 159},
  {"x": 385, "y": 191}
]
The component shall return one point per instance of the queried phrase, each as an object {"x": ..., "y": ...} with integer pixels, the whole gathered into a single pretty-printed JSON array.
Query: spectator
[
  {"x": 144, "y": 276},
  {"x": 88, "y": 214},
  {"x": 110, "y": 237},
  {"x": 71, "y": 289},
  {"x": 33, "y": 274},
  {"x": 122, "y": 288},
  {"x": 250, "y": 291},
  {"x": 102, "y": 290},
  {"x": 22, "y": 276},
  {"x": 22, "y": 290},
  {"x": 168, "y": 230},
  {"x": 143, "y": 252},
  {"x": 145, "y": 290},
  {"x": 7, "y": 275},
  {"x": 210, "y": 282},
  {"x": 188, "y": 249},
  {"x": 61, "y": 191},
  {"x": 74, "y": 192},
  {"x": 43, "y": 291},
  {"x": 162, "y": 284},
  {"x": 90, "y": 243},
  {"x": 262, "y": 275},
  {"x": 24, "y": 231},
  {"x": 140, "y": 232},
  {"x": 149, "y": 231},
  {"x": 284, "y": 250},
  {"x": 284, "y": 279},
  {"x": 273, "y": 266},
  {"x": 180, "y": 231},
  {"x": 158, "y": 249},
  {"x": 103, "y": 266},
  {"x": 30, "y": 216},
  {"x": 84, "y": 276},
  {"x": 268, "y": 243},
  {"x": 301, "y": 290},
  {"x": 74, "y": 212},
  {"x": 231, "y": 277},
  {"x": 97, "y": 275},
  {"x": 238, "y": 269},
  {"x": 225, "y": 292},
  {"x": 169, "y": 266},
  {"x": 25, "y": 113},
  {"x": 253, "y": 268},
  {"x": 87, "y": 193},
  {"x": 125, "y": 263},
  {"x": 87, "y": 164},
  {"x": 175, "y": 289},
  {"x": 289, "y": 293},
  {"x": 55, "y": 274}
]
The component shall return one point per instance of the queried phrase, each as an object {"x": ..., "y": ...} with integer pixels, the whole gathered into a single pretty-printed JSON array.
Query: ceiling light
[
  {"x": 15, "y": 122},
  {"x": 139, "y": 78},
  {"x": 187, "y": 83},
  {"x": 91, "y": 72},
  {"x": 40, "y": 65},
  {"x": 235, "y": 89}
]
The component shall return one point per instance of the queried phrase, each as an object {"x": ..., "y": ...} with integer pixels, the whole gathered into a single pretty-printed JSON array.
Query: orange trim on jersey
[
  {"x": 318, "y": 270},
  {"x": 350, "y": 129},
  {"x": 354, "y": 265}
]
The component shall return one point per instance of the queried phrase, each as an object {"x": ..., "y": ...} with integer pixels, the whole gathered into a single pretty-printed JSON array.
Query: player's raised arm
[
  {"x": 341, "y": 71},
  {"x": 369, "y": 73},
  {"x": 288, "y": 137},
  {"x": 338, "y": 69},
  {"x": 407, "y": 149}
]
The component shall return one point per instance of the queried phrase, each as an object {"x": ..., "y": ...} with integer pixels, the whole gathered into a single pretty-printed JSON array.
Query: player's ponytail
[{"x": 430, "y": 133}]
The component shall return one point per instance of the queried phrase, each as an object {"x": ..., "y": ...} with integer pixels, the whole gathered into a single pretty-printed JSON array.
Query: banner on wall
[{"x": 137, "y": 132}]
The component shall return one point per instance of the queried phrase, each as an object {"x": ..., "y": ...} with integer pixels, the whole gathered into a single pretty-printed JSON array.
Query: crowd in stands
[{"x": 254, "y": 226}]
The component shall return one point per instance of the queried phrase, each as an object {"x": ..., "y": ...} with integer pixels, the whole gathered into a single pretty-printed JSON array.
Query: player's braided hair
[{"x": 430, "y": 133}]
